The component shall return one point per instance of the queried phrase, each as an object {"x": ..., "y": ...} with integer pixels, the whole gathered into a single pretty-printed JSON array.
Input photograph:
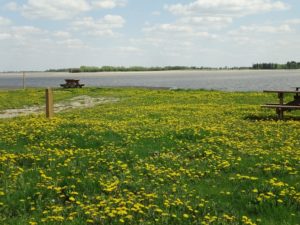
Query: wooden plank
[
  {"x": 282, "y": 91},
  {"x": 49, "y": 103},
  {"x": 281, "y": 106},
  {"x": 297, "y": 88},
  {"x": 72, "y": 83}
]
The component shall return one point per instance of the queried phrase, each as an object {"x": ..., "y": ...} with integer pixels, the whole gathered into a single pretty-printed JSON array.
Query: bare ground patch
[{"x": 82, "y": 101}]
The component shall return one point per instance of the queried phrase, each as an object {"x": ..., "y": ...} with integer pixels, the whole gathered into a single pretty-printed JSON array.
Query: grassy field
[{"x": 153, "y": 157}]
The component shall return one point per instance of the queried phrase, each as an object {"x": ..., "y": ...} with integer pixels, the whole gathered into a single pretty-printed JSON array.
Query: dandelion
[
  {"x": 279, "y": 201},
  {"x": 186, "y": 216},
  {"x": 32, "y": 223}
]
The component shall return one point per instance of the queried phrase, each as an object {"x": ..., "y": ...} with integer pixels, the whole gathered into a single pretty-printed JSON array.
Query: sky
[{"x": 44, "y": 34}]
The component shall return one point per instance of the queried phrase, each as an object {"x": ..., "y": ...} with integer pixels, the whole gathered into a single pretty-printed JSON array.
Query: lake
[{"x": 229, "y": 80}]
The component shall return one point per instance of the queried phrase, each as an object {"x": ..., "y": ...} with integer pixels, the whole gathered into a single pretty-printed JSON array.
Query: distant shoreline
[
  {"x": 290, "y": 65},
  {"x": 140, "y": 73},
  {"x": 145, "y": 71}
]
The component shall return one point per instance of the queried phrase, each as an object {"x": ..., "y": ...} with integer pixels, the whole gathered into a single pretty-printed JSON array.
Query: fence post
[
  {"x": 24, "y": 80},
  {"x": 49, "y": 103}
]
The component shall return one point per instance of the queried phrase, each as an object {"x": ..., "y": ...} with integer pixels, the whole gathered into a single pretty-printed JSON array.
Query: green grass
[{"x": 153, "y": 157}]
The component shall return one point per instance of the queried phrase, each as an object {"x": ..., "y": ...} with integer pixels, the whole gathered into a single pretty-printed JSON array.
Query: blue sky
[{"x": 43, "y": 34}]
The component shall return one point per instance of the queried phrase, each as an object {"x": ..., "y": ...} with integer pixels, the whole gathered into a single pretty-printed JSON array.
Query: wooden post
[
  {"x": 280, "y": 96},
  {"x": 49, "y": 103},
  {"x": 279, "y": 112},
  {"x": 23, "y": 80}
]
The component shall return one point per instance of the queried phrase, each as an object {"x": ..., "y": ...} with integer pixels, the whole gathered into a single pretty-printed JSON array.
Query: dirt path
[{"x": 82, "y": 101}]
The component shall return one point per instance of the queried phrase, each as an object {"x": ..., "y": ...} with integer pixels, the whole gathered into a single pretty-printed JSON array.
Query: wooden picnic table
[
  {"x": 282, "y": 106},
  {"x": 72, "y": 83},
  {"x": 297, "y": 89}
]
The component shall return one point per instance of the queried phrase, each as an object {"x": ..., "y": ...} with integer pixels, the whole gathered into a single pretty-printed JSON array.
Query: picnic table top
[
  {"x": 282, "y": 91},
  {"x": 71, "y": 80}
]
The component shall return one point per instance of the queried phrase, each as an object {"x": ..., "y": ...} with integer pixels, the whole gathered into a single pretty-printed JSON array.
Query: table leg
[
  {"x": 280, "y": 96},
  {"x": 279, "y": 112}
]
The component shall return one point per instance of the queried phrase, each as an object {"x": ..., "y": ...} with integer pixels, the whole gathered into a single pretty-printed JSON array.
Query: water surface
[{"x": 244, "y": 80}]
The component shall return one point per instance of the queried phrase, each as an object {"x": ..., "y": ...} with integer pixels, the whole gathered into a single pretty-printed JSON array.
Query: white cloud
[
  {"x": 206, "y": 20},
  {"x": 193, "y": 32},
  {"x": 267, "y": 29},
  {"x": 24, "y": 37},
  {"x": 156, "y": 13},
  {"x": 168, "y": 28},
  {"x": 114, "y": 21},
  {"x": 4, "y": 21},
  {"x": 54, "y": 9},
  {"x": 203, "y": 22},
  {"x": 61, "y": 34},
  {"x": 129, "y": 49},
  {"x": 260, "y": 36},
  {"x": 24, "y": 32},
  {"x": 242, "y": 40},
  {"x": 259, "y": 29},
  {"x": 27, "y": 30},
  {"x": 109, "y": 4},
  {"x": 153, "y": 41},
  {"x": 72, "y": 43},
  {"x": 13, "y": 6},
  {"x": 203, "y": 18},
  {"x": 293, "y": 21},
  {"x": 37, "y": 48},
  {"x": 31, "y": 37},
  {"x": 5, "y": 36},
  {"x": 101, "y": 27},
  {"x": 209, "y": 22},
  {"x": 226, "y": 7},
  {"x": 177, "y": 40},
  {"x": 61, "y": 9},
  {"x": 178, "y": 30}
]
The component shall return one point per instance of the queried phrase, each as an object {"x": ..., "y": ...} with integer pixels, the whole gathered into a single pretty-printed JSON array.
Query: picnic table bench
[
  {"x": 281, "y": 107},
  {"x": 72, "y": 83}
]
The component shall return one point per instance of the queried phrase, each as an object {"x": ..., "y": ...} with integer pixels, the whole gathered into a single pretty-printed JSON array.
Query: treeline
[
  {"x": 124, "y": 69},
  {"x": 139, "y": 68},
  {"x": 260, "y": 66},
  {"x": 132, "y": 68},
  {"x": 276, "y": 66}
]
